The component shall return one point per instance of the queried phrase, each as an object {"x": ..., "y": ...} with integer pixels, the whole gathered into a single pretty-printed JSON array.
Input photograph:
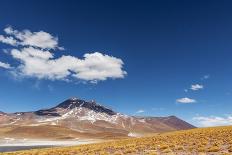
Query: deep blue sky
[{"x": 166, "y": 47}]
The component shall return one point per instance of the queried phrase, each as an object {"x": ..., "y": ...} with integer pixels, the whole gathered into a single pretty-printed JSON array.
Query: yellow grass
[{"x": 215, "y": 141}]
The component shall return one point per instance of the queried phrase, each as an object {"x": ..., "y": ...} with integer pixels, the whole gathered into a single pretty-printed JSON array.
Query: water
[
  {"x": 10, "y": 144},
  {"x": 18, "y": 148}
]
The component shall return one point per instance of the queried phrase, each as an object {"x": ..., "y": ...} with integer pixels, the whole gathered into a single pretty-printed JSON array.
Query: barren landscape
[
  {"x": 75, "y": 122},
  {"x": 201, "y": 141},
  {"x": 79, "y": 119}
]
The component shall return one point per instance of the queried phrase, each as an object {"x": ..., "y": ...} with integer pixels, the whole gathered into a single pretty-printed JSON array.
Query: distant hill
[{"x": 77, "y": 118}]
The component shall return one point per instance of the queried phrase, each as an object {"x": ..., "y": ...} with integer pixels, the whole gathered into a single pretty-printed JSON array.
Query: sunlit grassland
[{"x": 216, "y": 140}]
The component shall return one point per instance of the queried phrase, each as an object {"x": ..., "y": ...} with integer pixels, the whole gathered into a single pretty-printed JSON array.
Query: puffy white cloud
[
  {"x": 196, "y": 87},
  {"x": 39, "y": 39},
  {"x": 8, "y": 40},
  {"x": 4, "y": 65},
  {"x": 185, "y": 100},
  {"x": 37, "y": 60},
  {"x": 213, "y": 121},
  {"x": 140, "y": 111},
  {"x": 31, "y": 52},
  {"x": 94, "y": 66},
  {"x": 36, "y": 63}
]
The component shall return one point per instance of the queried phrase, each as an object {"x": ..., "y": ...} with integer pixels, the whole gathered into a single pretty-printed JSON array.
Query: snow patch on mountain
[
  {"x": 84, "y": 114},
  {"x": 93, "y": 116}
]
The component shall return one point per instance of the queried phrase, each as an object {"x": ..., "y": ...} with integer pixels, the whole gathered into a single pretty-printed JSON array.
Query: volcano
[{"x": 77, "y": 118}]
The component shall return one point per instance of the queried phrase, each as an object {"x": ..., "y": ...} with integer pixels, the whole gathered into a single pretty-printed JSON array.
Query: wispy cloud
[
  {"x": 205, "y": 77},
  {"x": 186, "y": 100},
  {"x": 5, "y": 65},
  {"x": 213, "y": 120},
  {"x": 196, "y": 87},
  {"x": 38, "y": 39},
  {"x": 35, "y": 53},
  {"x": 8, "y": 40},
  {"x": 140, "y": 111}
]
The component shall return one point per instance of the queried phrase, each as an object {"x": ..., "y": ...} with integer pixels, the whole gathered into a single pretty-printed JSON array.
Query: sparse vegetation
[{"x": 195, "y": 141}]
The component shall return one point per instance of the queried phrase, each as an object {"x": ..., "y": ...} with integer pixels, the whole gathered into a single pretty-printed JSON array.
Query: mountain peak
[
  {"x": 75, "y": 102},
  {"x": 92, "y": 105},
  {"x": 71, "y": 103}
]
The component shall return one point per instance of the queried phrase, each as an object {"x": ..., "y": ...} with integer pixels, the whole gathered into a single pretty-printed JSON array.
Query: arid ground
[{"x": 212, "y": 141}]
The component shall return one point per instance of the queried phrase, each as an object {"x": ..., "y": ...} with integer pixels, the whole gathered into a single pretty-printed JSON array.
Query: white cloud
[
  {"x": 31, "y": 52},
  {"x": 213, "y": 121},
  {"x": 196, "y": 87},
  {"x": 94, "y": 66},
  {"x": 8, "y": 40},
  {"x": 38, "y": 60},
  {"x": 140, "y": 111},
  {"x": 4, "y": 65},
  {"x": 39, "y": 39},
  {"x": 185, "y": 100}
]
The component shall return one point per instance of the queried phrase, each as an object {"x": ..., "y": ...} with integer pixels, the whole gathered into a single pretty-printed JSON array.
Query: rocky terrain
[{"x": 76, "y": 118}]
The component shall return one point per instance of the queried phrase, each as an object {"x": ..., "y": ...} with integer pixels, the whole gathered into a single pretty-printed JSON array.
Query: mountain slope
[{"x": 77, "y": 118}]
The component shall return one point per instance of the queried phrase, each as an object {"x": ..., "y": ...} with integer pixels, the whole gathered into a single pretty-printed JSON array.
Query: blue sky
[{"x": 154, "y": 58}]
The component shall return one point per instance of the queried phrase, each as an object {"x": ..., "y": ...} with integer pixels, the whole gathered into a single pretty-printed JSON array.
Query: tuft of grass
[{"x": 214, "y": 149}]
